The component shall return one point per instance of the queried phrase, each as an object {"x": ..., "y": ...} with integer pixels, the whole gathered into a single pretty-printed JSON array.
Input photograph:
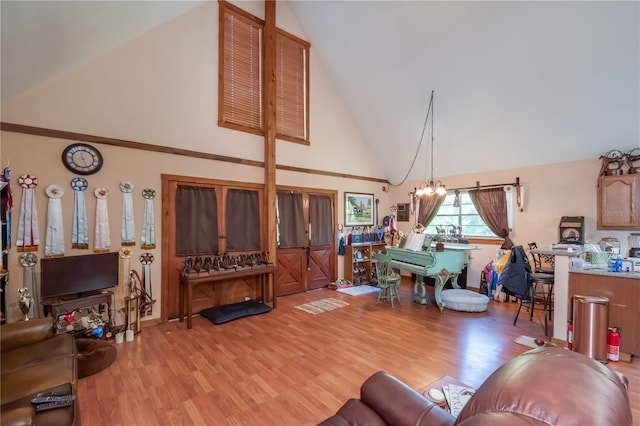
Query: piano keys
[{"x": 439, "y": 265}]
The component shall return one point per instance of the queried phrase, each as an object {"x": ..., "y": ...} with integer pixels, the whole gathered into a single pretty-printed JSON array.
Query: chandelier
[{"x": 430, "y": 187}]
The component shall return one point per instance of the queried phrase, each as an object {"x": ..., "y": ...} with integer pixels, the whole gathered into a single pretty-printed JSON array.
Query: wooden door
[
  {"x": 204, "y": 296},
  {"x": 307, "y": 265}
]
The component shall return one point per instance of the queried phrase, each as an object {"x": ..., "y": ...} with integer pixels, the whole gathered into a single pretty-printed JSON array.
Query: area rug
[
  {"x": 322, "y": 305},
  {"x": 358, "y": 290}
]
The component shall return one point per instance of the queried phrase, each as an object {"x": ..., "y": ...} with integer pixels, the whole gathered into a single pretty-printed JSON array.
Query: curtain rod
[{"x": 478, "y": 186}]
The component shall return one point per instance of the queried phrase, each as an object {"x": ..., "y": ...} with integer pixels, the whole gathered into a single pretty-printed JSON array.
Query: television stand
[{"x": 59, "y": 306}]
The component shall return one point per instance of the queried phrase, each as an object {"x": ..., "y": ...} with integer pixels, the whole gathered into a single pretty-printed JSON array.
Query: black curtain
[
  {"x": 243, "y": 220},
  {"x": 196, "y": 221}
]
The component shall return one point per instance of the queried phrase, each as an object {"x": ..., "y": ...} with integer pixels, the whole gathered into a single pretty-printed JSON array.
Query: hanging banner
[
  {"x": 128, "y": 226},
  {"x": 28, "y": 236},
  {"x": 79, "y": 232},
  {"x": 148, "y": 239},
  {"x": 54, "y": 239},
  {"x": 28, "y": 261},
  {"x": 102, "y": 238},
  {"x": 146, "y": 259},
  {"x": 124, "y": 289}
]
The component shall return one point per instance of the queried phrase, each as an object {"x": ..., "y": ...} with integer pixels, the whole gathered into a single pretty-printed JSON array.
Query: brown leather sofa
[
  {"x": 546, "y": 386},
  {"x": 34, "y": 360}
]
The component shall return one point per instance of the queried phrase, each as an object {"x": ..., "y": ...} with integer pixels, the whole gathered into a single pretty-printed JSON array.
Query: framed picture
[{"x": 358, "y": 209}]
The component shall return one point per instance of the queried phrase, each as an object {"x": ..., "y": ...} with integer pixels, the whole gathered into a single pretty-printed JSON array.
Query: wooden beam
[
  {"x": 61, "y": 134},
  {"x": 270, "y": 130}
]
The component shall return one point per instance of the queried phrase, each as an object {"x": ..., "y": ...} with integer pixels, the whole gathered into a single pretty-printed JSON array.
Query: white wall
[
  {"x": 161, "y": 88},
  {"x": 550, "y": 192}
]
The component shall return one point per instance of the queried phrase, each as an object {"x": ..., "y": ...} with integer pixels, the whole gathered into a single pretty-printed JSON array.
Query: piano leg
[
  {"x": 419, "y": 291},
  {"x": 440, "y": 281}
]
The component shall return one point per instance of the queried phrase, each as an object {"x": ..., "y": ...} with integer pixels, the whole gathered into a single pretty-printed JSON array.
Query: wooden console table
[
  {"x": 59, "y": 306},
  {"x": 189, "y": 281}
]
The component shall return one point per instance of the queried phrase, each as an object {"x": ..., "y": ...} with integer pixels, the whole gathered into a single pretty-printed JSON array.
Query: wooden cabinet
[
  {"x": 359, "y": 266},
  {"x": 624, "y": 304},
  {"x": 619, "y": 202}
]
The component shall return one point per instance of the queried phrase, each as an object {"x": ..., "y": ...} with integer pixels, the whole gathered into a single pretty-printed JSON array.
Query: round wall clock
[{"x": 82, "y": 159}]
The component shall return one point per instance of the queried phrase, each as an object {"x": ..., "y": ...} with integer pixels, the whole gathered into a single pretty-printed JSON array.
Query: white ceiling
[{"x": 516, "y": 83}]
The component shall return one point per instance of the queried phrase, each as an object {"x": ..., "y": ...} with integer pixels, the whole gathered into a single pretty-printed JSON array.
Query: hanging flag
[
  {"x": 148, "y": 239},
  {"x": 128, "y": 226},
  {"x": 146, "y": 259},
  {"x": 54, "y": 239},
  {"x": 79, "y": 232},
  {"x": 28, "y": 261},
  {"x": 102, "y": 239},
  {"x": 28, "y": 233}
]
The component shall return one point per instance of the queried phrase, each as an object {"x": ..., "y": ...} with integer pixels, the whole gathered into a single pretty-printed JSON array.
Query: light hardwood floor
[{"x": 289, "y": 367}]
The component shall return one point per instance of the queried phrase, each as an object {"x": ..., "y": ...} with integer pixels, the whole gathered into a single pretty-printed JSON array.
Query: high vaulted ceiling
[{"x": 516, "y": 83}]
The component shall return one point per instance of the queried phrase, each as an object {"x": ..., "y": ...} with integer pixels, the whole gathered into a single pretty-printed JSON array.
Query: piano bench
[{"x": 464, "y": 300}]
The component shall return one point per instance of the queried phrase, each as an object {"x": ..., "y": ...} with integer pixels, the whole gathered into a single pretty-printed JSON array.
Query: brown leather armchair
[
  {"x": 35, "y": 360},
  {"x": 546, "y": 386}
]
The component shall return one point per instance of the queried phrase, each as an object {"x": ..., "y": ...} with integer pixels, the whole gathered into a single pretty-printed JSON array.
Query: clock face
[{"x": 82, "y": 159}]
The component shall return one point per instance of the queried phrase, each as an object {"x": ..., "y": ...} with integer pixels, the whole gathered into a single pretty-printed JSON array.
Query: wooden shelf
[{"x": 360, "y": 270}]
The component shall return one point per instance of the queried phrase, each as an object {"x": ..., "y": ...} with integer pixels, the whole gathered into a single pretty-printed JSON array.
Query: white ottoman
[{"x": 464, "y": 300}]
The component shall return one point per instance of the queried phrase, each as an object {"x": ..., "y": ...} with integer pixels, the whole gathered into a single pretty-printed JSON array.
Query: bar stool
[{"x": 542, "y": 289}]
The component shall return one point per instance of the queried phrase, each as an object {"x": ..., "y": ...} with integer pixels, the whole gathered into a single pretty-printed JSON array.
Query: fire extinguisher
[
  {"x": 613, "y": 344},
  {"x": 570, "y": 335}
]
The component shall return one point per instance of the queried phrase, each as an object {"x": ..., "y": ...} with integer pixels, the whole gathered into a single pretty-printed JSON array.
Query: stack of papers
[
  {"x": 457, "y": 397},
  {"x": 415, "y": 241}
]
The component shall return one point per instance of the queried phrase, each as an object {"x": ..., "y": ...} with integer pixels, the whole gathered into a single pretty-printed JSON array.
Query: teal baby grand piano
[{"x": 439, "y": 265}]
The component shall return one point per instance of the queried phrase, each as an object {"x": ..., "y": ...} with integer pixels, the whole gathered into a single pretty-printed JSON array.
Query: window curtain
[
  {"x": 291, "y": 220},
  {"x": 196, "y": 221},
  {"x": 491, "y": 205},
  {"x": 321, "y": 218},
  {"x": 428, "y": 207},
  {"x": 243, "y": 220}
]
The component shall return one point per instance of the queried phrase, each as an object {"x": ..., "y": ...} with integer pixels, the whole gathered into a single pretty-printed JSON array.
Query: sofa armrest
[
  {"x": 398, "y": 404},
  {"x": 22, "y": 333},
  {"x": 21, "y": 416}
]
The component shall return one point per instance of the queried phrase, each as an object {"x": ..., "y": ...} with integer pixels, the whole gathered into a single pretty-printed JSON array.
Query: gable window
[
  {"x": 464, "y": 215},
  {"x": 241, "y": 84},
  {"x": 240, "y": 62}
]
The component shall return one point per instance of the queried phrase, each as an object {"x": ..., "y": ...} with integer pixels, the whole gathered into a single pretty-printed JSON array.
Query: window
[
  {"x": 241, "y": 84},
  {"x": 240, "y": 62},
  {"x": 465, "y": 216}
]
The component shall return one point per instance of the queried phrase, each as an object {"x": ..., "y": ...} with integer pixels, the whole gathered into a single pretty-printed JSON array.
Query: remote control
[
  {"x": 51, "y": 397},
  {"x": 51, "y": 405}
]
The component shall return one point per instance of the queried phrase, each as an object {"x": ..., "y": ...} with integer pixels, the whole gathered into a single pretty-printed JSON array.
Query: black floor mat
[{"x": 226, "y": 313}]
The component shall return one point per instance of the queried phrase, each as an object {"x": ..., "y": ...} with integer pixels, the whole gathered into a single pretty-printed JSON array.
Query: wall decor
[
  {"x": 82, "y": 159},
  {"x": 358, "y": 209}
]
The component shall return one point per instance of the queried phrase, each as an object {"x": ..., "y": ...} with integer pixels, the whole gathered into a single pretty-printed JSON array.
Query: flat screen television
[{"x": 78, "y": 276}]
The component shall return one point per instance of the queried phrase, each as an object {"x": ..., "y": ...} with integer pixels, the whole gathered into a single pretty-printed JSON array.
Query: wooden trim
[
  {"x": 480, "y": 240},
  {"x": 122, "y": 143},
  {"x": 328, "y": 173}
]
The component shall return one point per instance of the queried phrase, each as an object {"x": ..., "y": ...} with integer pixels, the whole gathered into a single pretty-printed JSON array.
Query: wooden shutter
[
  {"x": 292, "y": 96},
  {"x": 240, "y": 82}
]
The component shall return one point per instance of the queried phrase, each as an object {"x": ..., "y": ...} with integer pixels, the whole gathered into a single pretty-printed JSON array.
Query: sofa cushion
[
  {"x": 19, "y": 358},
  {"x": 21, "y": 412},
  {"x": 31, "y": 379}
]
